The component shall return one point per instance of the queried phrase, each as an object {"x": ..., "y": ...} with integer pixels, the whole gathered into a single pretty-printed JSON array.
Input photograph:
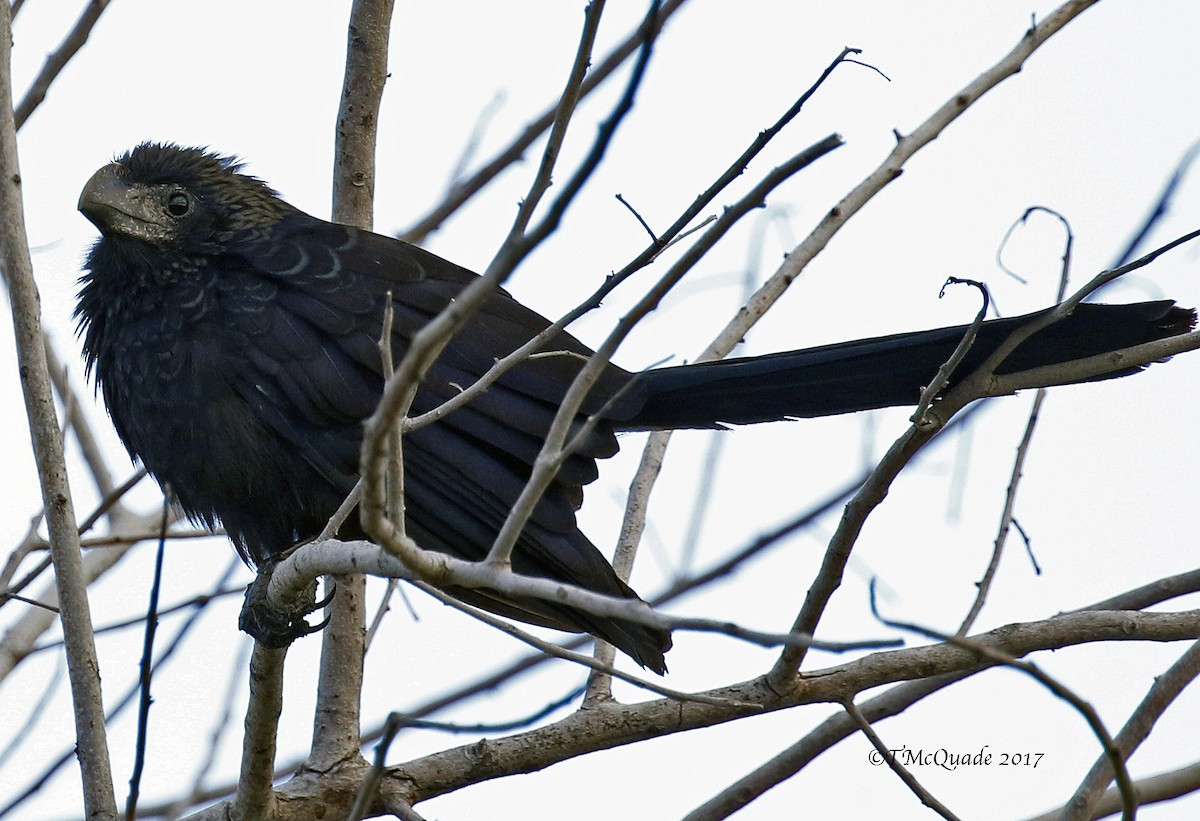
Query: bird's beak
[
  {"x": 115, "y": 205},
  {"x": 105, "y": 191}
]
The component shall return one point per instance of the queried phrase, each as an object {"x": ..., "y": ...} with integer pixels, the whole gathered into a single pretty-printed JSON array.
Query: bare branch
[
  {"x": 609, "y": 725},
  {"x": 343, "y": 644},
  {"x": 1151, "y": 594},
  {"x": 293, "y": 575},
  {"x": 1150, "y": 790},
  {"x": 58, "y": 60},
  {"x": 926, "y": 669},
  {"x": 358, "y": 112},
  {"x": 899, "y": 698},
  {"x": 673, "y": 234},
  {"x": 1160, "y": 696},
  {"x": 1113, "y": 753},
  {"x": 82, "y": 664},
  {"x": 255, "y": 793}
]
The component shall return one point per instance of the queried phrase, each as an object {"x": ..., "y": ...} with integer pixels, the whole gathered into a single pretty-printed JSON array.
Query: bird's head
[{"x": 177, "y": 199}]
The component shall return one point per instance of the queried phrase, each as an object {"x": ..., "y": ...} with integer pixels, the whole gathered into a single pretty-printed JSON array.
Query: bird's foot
[{"x": 275, "y": 626}]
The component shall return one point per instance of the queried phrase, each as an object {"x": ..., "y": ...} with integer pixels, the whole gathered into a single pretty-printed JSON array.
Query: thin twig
[
  {"x": 111, "y": 500},
  {"x": 554, "y": 450},
  {"x": 1068, "y": 245},
  {"x": 493, "y": 727},
  {"x": 342, "y": 513},
  {"x": 222, "y": 724},
  {"x": 677, "y": 231},
  {"x": 984, "y": 585},
  {"x": 380, "y": 612},
  {"x": 896, "y": 700},
  {"x": 4, "y": 596},
  {"x": 370, "y": 782},
  {"x": 1113, "y": 753},
  {"x": 904, "y": 775},
  {"x": 79, "y": 423},
  {"x": 645, "y": 225},
  {"x": 463, "y": 190},
  {"x": 126, "y": 699},
  {"x": 1161, "y": 205},
  {"x": 942, "y": 377},
  {"x": 559, "y": 652},
  {"x": 984, "y": 381},
  {"x": 558, "y": 129},
  {"x": 133, "y": 537},
  {"x": 428, "y": 343},
  {"x": 1007, "y": 515},
  {"x": 145, "y": 667}
]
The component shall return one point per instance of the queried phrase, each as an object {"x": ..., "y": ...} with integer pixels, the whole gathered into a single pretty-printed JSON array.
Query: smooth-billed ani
[{"x": 235, "y": 340}]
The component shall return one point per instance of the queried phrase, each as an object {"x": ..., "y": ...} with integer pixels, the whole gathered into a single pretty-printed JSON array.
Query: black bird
[{"x": 234, "y": 338}]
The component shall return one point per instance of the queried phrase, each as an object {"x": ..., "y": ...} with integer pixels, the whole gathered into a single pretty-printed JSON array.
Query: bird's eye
[{"x": 179, "y": 204}]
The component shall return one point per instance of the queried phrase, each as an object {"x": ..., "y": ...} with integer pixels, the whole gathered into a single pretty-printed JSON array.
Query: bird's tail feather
[
  {"x": 645, "y": 645},
  {"x": 882, "y": 372}
]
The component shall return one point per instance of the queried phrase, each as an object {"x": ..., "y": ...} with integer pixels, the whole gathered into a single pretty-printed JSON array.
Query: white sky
[{"x": 1092, "y": 127}]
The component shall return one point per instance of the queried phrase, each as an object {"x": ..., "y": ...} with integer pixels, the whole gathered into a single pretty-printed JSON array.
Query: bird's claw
[
  {"x": 274, "y": 626},
  {"x": 325, "y": 602}
]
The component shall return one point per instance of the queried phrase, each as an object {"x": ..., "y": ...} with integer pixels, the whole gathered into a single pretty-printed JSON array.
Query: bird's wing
[{"x": 314, "y": 373}]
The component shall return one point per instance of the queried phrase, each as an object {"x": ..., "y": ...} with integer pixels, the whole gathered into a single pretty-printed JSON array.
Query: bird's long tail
[{"x": 882, "y": 372}]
